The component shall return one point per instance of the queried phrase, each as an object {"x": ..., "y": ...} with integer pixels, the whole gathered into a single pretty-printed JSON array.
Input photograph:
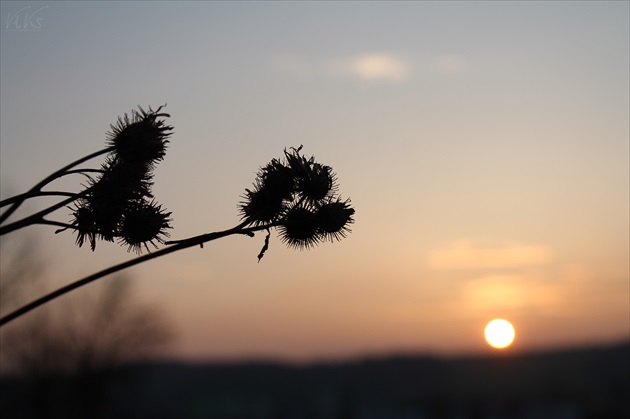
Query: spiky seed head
[
  {"x": 334, "y": 218},
  {"x": 85, "y": 223},
  {"x": 261, "y": 205},
  {"x": 299, "y": 228},
  {"x": 140, "y": 138},
  {"x": 144, "y": 223},
  {"x": 317, "y": 182},
  {"x": 277, "y": 178}
]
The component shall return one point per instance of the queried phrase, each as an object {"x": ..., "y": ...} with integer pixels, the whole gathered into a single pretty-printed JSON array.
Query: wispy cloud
[
  {"x": 379, "y": 67},
  {"x": 506, "y": 292},
  {"x": 373, "y": 68},
  {"x": 468, "y": 255},
  {"x": 369, "y": 67}
]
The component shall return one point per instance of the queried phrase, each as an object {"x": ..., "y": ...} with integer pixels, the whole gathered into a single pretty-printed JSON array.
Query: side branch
[
  {"x": 38, "y": 217},
  {"x": 27, "y": 195},
  {"x": 184, "y": 244},
  {"x": 61, "y": 172}
]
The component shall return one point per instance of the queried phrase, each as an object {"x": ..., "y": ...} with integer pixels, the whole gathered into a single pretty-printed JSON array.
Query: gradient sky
[{"x": 484, "y": 146}]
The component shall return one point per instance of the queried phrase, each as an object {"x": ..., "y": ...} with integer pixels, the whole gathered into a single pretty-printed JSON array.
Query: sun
[{"x": 499, "y": 333}]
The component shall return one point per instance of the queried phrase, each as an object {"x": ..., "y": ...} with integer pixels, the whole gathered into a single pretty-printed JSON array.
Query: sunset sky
[{"x": 484, "y": 146}]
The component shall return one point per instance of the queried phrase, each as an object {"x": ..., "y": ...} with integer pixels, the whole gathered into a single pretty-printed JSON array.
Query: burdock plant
[{"x": 294, "y": 194}]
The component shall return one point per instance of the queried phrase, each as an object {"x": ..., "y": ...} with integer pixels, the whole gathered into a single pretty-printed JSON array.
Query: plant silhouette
[{"x": 294, "y": 194}]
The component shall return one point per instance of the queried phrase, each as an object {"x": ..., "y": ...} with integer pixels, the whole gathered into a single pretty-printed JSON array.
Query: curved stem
[
  {"x": 82, "y": 171},
  {"x": 193, "y": 241},
  {"x": 37, "y": 188},
  {"x": 39, "y": 216},
  {"x": 27, "y": 195},
  {"x": 64, "y": 226}
]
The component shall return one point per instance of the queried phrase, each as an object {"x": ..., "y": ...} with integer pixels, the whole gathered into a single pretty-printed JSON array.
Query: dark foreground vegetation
[{"x": 576, "y": 383}]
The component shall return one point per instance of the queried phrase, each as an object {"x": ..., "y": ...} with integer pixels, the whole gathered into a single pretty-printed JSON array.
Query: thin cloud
[
  {"x": 379, "y": 67},
  {"x": 373, "y": 67},
  {"x": 508, "y": 292},
  {"x": 467, "y": 255}
]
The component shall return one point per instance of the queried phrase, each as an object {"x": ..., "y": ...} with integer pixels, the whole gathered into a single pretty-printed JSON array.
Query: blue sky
[{"x": 483, "y": 144}]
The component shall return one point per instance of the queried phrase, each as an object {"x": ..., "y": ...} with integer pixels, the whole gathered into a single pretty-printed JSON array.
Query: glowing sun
[{"x": 499, "y": 333}]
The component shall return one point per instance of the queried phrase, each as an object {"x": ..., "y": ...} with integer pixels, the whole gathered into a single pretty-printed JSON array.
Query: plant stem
[
  {"x": 64, "y": 226},
  {"x": 61, "y": 172},
  {"x": 82, "y": 171},
  {"x": 180, "y": 245},
  {"x": 24, "y": 196},
  {"x": 38, "y": 217}
]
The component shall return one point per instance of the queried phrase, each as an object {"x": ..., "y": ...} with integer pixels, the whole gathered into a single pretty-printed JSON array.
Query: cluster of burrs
[
  {"x": 294, "y": 194},
  {"x": 299, "y": 197},
  {"x": 118, "y": 203}
]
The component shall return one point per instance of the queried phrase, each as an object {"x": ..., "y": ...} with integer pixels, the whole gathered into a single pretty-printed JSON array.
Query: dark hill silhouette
[{"x": 576, "y": 383}]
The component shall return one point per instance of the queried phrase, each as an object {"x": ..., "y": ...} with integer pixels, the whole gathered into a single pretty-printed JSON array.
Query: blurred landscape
[{"x": 574, "y": 383}]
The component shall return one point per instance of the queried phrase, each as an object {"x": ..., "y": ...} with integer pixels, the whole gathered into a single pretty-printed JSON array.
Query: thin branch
[
  {"x": 50, "y": 178},
  {"x": 200, "y": 239},
  {"x": 28, "y": 195},
  {"x": 181, "y": 245},
  {"x": 83, "y": 172},
  {"x": 64, "y": 226},
  {"x": 70, "y": 172},
  {"x": 38, "y": 217}
]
